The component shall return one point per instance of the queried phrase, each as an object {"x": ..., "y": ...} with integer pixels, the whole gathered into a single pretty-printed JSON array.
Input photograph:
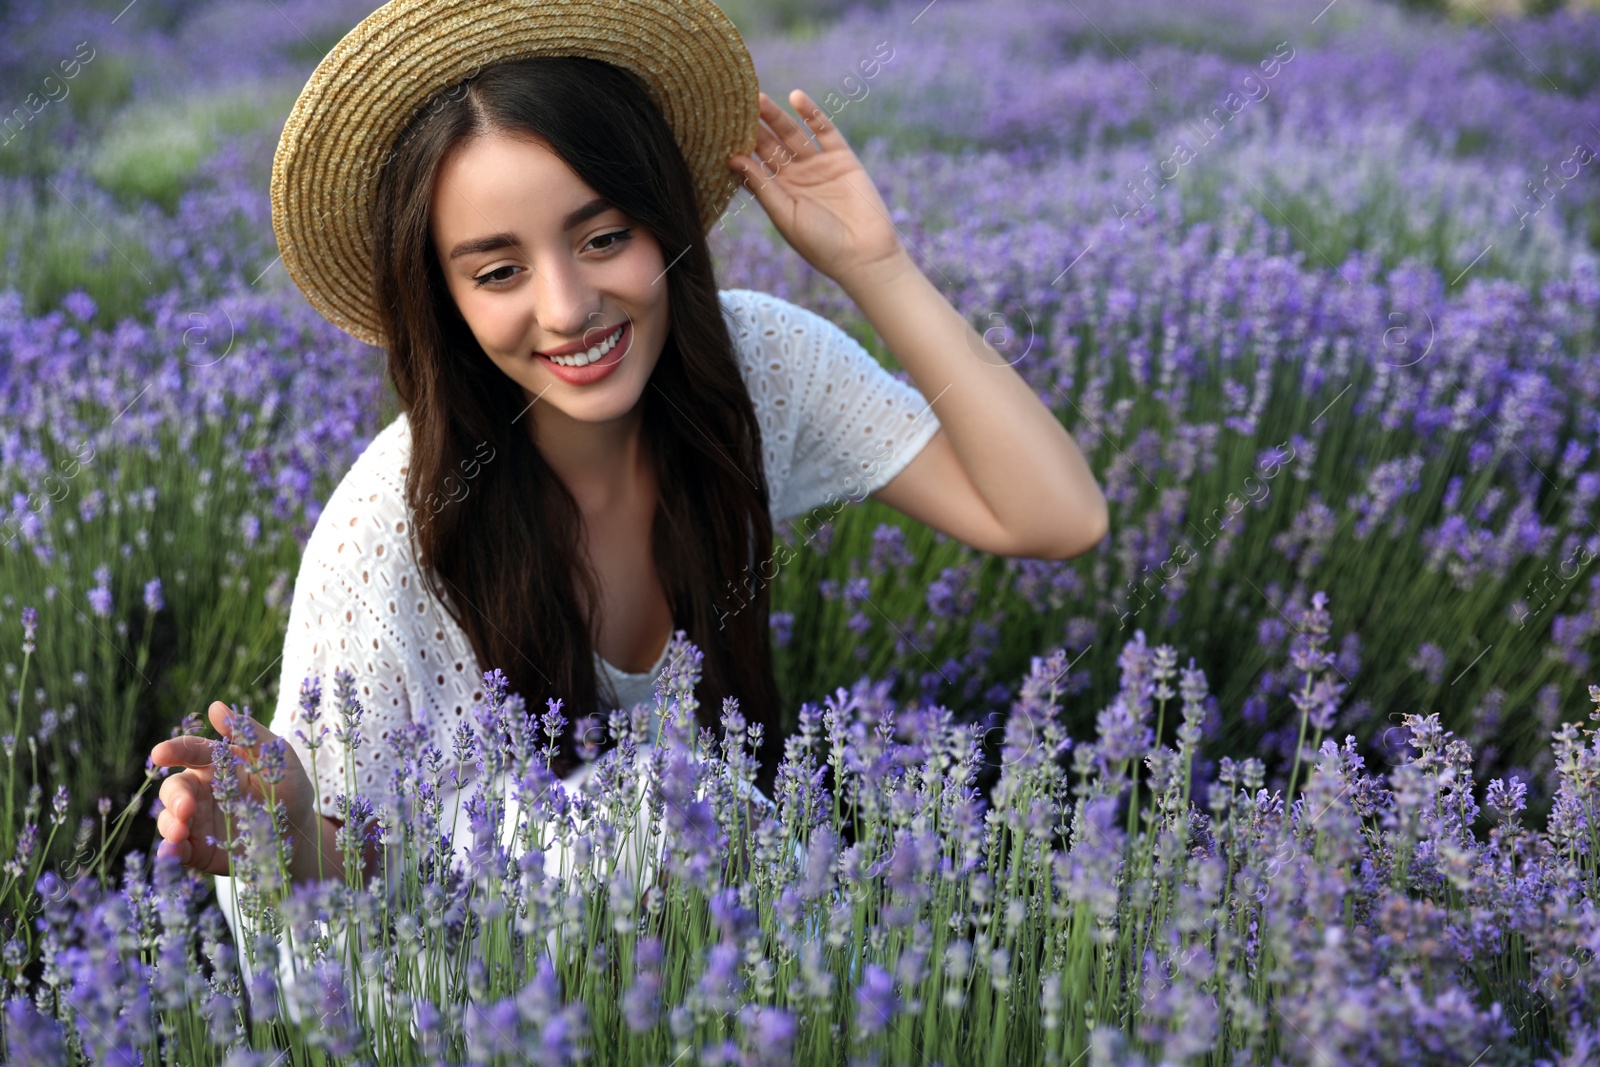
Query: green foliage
[
  {"x": 95, "y": 99},
  {"x": 40, "y": 148},
  {"x": 50, "y": 245},
  {"x": 151, "y": 151},
  {"x": 1384, "y": 215}
]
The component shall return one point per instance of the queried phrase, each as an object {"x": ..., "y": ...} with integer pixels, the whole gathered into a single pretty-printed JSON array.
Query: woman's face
[{"x": 538, "y": 262}]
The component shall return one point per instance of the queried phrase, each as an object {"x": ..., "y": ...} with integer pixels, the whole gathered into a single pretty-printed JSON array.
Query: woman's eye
[
  {"x": 615, "y": 238},
  {"x": 490, "y": 277},
  {"x": 612, "y": 240}
]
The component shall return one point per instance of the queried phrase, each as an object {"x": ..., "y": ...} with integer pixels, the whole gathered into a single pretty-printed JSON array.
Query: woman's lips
[{"x": 593, "y": 372}]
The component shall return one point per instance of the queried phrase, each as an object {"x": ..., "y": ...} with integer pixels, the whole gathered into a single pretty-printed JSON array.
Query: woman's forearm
[{"x": 1022, "y": 461}]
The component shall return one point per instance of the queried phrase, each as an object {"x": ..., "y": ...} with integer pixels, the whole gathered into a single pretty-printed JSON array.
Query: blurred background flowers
[{"x": 1314, "y": 285}]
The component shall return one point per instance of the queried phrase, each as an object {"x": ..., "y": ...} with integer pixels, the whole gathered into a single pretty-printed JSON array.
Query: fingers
[
  {"x": 187, "y": 751},
  {"x": 227, "y": 723},
  {"x": 181, "y": 799},
  {"x": 770, "y": 156},
  {"x": 784, "y": 131},
  {"x": 222, "y": 718},
  {"x": 172, "y": 824},
  {"x": 181, "y": 849},
  {"x": 781, "y": 139},
  {"x": 827, "y": 134},
  {"x": 180, "y": 795},
  {"x": 795, "y": 137},
  {"x": 193, "y": 751},
  {"x": 171, "y": 827}
]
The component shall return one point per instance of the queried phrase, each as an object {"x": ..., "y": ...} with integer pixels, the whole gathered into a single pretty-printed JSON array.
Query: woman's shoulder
[
  {"x": 366, "y": 512},
  {"x": 749, "y": 310},
  {"x": 377, "y": 477},
  {"x": 769, "y": 335},
  {"x": 765, "y": 323},
  {"x": 755, "y": 319}
]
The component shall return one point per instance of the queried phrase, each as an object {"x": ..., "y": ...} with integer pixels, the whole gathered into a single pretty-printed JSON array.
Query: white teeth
[{"x": 583, "y": 359}]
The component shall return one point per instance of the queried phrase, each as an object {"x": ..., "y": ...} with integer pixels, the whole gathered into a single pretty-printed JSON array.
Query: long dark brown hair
[{"x": 506, "y": 560}]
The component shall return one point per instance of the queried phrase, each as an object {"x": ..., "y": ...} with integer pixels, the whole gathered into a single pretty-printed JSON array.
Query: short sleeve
[
  {"x": 846, "y": 426},
  {"x": 345, "y": 613}
]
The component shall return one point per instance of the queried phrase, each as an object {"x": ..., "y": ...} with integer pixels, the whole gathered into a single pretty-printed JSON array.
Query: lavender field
[{"x": 1301, "y": 765}]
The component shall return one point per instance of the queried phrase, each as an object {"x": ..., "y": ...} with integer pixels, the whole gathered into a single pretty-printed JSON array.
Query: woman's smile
[{"x": 592, "y": 364}]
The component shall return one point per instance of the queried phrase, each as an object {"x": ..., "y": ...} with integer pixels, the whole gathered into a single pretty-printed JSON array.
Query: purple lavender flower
[
  {"x": 552, "y": 721},
  {"x": 310, "y": 713},
  {"x": 79, "y": 304},
  {"x": 34, "y": 1038},
  {"x": 733, "y": 920},
  {"x": 337, "y": 1030},
  {"x": 876, "y": 1002},
  {"x": 782, "y": 623},
  {"x": 641, "y": 1003},
  {"x": 262, "y": 986},
  {"x": 310, "y": 700},
  {"x": 589, "y": 732},
  {"x": 30, "y": 628},
  {"x": 100, "y": 595},
  {"x": 464, "y": 747},
  {"x": 1306, "y": 655},
  {"x": 347, "y": 732},
  {"x": 1507, "y": 798},
  {"x": 1430, "y": 661},
  {"x": 89, "y": 508},
  {"x": 489, "y": 715},
  {"x": 770, "y": 1036},
  {"x": 27, "y": 841},
  {"x": 152, "y": 596},
  {"x": 556, "y": 1039},
  {"x": 540, "y": 1000},
  {"x": 889, "y": 549},
  {"x": 241, "y": 727},
  {"x": 58, "y": 806},
  {"x": 274, "y": 760},
  {"x": 492, "y": 1032},
  {"x": 225, "y": 778},
  {"x": 1122, "y": 734},
  {"x": 953, "y": 592},
  {"x": 429, "y": 1026},
  {"x": 720, "y": 984},
  {"x": 1322, "y": 704}
]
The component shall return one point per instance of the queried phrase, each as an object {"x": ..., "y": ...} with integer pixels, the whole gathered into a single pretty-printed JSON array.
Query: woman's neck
[{"x": 605, "y": 465}]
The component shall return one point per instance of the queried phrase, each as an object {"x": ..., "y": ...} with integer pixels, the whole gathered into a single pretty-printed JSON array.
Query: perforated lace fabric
[{"x": 835, "y": 426}]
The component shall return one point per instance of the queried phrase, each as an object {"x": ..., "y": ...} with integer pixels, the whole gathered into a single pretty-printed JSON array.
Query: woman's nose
[{"x": 564, "y": 303}]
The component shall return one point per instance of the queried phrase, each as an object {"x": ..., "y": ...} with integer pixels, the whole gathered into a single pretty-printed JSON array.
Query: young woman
[{"x": 596, "y": 441}]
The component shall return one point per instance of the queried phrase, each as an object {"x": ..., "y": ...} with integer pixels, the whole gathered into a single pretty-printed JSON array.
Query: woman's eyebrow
[{"x": 504, "y": 239}]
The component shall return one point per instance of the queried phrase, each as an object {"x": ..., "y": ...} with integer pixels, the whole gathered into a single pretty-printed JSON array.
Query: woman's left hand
[{"x": 820, "y": 199}]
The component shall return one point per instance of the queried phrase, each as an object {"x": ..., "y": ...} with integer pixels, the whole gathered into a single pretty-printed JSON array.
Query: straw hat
[{"x": 343, "y": 127}]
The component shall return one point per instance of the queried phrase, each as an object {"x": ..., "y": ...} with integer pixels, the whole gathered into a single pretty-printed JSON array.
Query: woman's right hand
[{"x": 190, "y": 813}]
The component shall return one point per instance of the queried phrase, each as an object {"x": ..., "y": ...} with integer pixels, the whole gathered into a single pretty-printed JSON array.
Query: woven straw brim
[{"x": 344, "y": 125}]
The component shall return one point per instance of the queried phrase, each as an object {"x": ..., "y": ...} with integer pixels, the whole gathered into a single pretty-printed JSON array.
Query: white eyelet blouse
[{"x": 835, "y": 426}]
